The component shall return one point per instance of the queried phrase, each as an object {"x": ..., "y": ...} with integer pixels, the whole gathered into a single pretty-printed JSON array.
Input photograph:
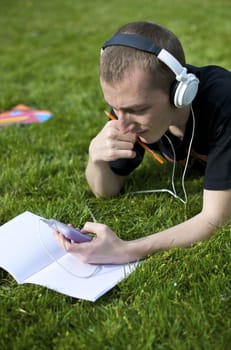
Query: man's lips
[{"x": 140, "y": 133}]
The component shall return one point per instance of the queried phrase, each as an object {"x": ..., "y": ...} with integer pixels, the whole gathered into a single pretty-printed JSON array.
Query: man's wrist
[{"x": 136, "y": 250}]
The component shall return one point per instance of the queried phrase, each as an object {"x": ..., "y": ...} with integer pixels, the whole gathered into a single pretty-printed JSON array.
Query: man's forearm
[
  {"x": 185, "y": 234},
  {"x": 102, "y": 181}
]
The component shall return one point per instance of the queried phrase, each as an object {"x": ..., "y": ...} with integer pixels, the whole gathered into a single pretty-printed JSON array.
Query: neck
[{"x": 180, "y": 120}]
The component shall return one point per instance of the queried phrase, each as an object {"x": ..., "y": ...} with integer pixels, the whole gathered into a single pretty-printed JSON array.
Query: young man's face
[{"x": 140, "y": 108}]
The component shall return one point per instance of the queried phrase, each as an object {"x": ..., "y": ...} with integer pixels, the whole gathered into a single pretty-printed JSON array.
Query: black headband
[{"x": 135, "y": 41}]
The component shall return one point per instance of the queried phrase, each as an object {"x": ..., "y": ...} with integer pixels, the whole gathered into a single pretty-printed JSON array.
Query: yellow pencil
[{"x": 153, "y": 154}]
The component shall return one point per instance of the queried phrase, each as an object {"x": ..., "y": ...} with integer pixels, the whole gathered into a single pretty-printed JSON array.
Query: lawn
[{"x": 178, "y": 299}]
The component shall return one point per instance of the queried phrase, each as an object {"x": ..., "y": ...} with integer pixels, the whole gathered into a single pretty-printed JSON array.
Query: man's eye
[{"x": 140, "y": 111}]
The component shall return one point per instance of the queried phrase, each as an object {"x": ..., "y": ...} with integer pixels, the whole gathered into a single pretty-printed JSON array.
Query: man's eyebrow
[{"x": 132, "y": 107}]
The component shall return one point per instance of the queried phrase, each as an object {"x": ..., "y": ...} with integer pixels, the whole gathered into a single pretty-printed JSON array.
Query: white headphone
[{"x": 184, "y": 89}]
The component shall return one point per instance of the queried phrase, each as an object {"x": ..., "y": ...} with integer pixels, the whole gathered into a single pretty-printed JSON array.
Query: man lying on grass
[{"x": 180, "y": 110}]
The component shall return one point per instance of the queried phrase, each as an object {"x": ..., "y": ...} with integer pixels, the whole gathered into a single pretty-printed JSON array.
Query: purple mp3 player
[{"x": 68, "y": 231}]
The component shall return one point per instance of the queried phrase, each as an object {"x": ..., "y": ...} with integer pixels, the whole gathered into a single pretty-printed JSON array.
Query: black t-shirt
[{"x": 211, "y": 144}]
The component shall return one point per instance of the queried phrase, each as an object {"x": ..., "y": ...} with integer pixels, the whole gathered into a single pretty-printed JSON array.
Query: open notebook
[{"x": 30, "y": 253}]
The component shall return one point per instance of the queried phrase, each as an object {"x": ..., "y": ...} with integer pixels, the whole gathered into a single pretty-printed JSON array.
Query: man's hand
[
  {"x": 111, "y": 144},
  {"x": 105, "y": 248}
]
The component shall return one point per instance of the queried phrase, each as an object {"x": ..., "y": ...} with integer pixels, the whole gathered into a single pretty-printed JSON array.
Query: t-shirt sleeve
[
  {"x": 125, "y": 166},
  {"x": 218, "y": 169}
]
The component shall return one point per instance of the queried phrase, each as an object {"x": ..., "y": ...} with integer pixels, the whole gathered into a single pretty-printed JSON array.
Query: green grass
[{"x": 178, "y": 299}]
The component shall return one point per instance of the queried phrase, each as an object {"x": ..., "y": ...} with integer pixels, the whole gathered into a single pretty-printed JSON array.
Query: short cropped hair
[{"x": 117, "y": 61}]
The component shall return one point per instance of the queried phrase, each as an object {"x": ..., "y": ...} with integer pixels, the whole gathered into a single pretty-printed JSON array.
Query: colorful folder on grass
[{"x": 22, "y": 114}]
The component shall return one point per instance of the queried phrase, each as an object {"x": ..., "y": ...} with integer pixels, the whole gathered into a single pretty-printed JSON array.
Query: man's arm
[
  {"x": 107, "y": 247},
  {"x": 215, "y": 212},
  {"x": 110, "y": 144},
  {"x": 101, "y": 180}
]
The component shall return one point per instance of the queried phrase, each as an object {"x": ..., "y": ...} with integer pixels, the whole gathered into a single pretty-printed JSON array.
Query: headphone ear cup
[{"x": 182, "y": 93}]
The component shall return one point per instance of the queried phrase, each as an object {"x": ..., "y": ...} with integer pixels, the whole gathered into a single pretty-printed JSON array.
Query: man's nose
[{"x": 125, "y": 123}]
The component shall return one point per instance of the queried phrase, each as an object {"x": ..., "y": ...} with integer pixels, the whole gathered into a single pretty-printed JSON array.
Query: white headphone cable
[{"x": 173, "y": 192}]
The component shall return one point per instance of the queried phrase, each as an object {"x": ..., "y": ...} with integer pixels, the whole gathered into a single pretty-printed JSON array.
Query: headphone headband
[
  {"x": 141, "y": 43},
  {"x": 132, "y": 40},
  {"x": 187, "y": 87}
]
